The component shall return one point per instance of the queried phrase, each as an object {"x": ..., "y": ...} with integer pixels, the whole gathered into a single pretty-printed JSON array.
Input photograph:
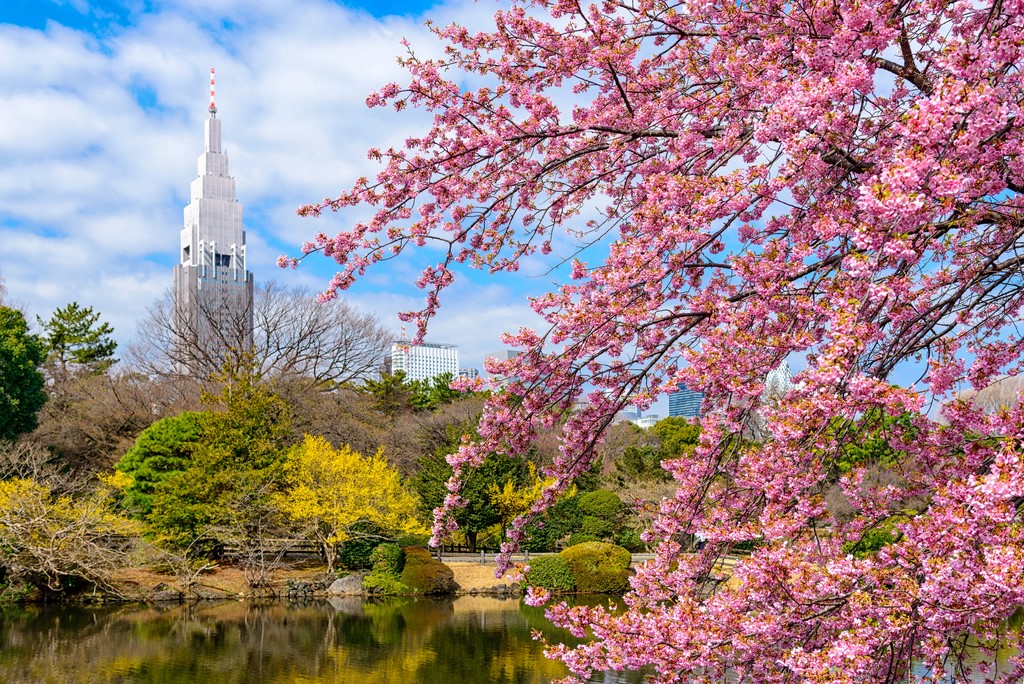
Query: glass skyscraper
[{"x": 685, "y": 403}]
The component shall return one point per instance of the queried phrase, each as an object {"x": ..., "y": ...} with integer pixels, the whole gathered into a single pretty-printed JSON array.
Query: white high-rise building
[
  {"x": 213, "y": 288},
  {"x": 424, "y": 361}
]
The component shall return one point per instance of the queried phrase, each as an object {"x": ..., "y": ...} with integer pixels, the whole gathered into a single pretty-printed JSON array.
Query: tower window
[{"x": 222, "y": 259}]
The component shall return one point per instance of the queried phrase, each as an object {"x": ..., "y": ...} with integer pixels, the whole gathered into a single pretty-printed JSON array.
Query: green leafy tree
[
  {"x": 641, "y": 463},
  {"x": 21, "y": 382},
  {"x": 161, "y": 451},
  {"x": 226, "y": 495},
  {"x": 75, "y": 337},
  {"x": 678, "y": 436},
  {"x": 875, "y": 432},
  {"x": 555, "y": 525},
  {"x": 481, "y": 510}
]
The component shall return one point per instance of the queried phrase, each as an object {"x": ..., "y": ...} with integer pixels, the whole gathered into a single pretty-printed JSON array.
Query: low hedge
[
  {"x": 551, "y": 573},
  {"x": 598, "y": 567},
  {"x": 423, "y": 574}
]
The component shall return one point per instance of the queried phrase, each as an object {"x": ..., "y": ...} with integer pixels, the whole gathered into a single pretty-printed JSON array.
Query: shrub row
[{"x": 588, "y": 568}]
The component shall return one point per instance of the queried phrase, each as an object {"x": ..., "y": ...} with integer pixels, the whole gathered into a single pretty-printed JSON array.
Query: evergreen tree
[
  {"x": 481, "y": 510},
  {"x": 161, "y": 451},
  {"x": 76, "y": 337},
  {"x": 226, "y": 492},
  {"x": 21, "y": 382}
]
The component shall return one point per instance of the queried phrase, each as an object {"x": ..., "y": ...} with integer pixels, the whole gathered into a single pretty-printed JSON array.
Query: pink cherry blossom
[{"x": 837, "y": 182}]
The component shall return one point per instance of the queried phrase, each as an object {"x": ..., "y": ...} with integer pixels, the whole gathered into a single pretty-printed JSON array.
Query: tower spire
[{"x": 213, "y": 103}]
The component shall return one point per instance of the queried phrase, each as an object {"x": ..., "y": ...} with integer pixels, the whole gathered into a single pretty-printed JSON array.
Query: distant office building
[
  {"x": 646, "y": 422},
  {"x": 685, "y": 403},
  {"x": 468, "y": 373},
  {"x": 213, "y": 288},
  {"x": 778, "y": 383},
  {"x": 631, "y": 412},
  {"x": 424, "y": 361},
  {"x": 580, "y": 404}
]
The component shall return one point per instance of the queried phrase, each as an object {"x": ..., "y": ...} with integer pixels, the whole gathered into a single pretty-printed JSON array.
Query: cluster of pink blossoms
[{"x": 836, "y": 182}]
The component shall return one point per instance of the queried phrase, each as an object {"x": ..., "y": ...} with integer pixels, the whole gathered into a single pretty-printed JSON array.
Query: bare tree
[
  {"x": 91, "y": 420},
  {"x": 293, "y": 336}
]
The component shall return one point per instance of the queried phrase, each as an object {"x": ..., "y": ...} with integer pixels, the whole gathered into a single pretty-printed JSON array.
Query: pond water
[
  {"x": 397, "y": 641},
  {"x": 400, "y": 641}
]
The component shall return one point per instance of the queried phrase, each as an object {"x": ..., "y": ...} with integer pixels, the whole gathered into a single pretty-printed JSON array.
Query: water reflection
[{"x": 400, "y": 641}]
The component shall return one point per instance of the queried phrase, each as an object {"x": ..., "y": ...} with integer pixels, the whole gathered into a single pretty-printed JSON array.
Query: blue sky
[{"x": 101, "y": 111}]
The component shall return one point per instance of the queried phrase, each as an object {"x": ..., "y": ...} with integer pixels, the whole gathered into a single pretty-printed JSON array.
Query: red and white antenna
[{"x": 213, "y": 104}]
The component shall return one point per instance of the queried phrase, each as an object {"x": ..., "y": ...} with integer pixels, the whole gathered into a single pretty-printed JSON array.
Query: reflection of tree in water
[
  {"x": 403, "y": 640},
  {"x": 225, "y": 644}
]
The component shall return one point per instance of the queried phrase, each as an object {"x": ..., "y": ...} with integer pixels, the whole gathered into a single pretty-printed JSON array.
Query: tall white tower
[{"x": 212, "y": 286}]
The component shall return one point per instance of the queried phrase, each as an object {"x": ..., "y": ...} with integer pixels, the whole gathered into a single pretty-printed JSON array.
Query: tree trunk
[{"x": 329, "y": 554}]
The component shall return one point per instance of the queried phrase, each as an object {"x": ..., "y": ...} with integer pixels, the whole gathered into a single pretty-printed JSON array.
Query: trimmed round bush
[
  {"x": 424, "y": 574},
  {"x": 551, "y": 573},
  {"x": 600, "y": 504},
  {"x": 598, "y": 567},
  {"x": 387, "y": 559}
]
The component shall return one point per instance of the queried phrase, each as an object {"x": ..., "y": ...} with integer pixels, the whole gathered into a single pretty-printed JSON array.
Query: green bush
[
  {"x": 354, "y": 552},
  {"x": 387, "y": 559},
  {"x": 599, "y": 528},
  {"x": 580, "y": 538},
  {"x": 384, "y": 584},
  {"x": 598, "y": 567},
  {"x": 423, "y": 574},
  {"x": 600, "y": 504},
  {"x": 551, "y": 573},
  {"x": 630, "y": 540}
]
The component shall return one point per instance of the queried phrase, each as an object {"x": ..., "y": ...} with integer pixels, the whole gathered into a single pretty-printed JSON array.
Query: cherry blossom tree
[{"x": 726, "y": 185}]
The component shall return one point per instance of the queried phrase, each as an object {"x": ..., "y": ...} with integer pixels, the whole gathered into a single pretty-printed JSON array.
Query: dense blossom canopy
[{"x": 837, "y": 183}]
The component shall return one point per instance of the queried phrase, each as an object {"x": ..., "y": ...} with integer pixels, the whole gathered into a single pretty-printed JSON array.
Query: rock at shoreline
[
  {"x": 351, "y": 585},
  {"x": 164, "y": 594}
]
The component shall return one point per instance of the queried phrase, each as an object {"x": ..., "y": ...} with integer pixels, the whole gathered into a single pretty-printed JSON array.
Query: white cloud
[{"x": 100, "y": 138}]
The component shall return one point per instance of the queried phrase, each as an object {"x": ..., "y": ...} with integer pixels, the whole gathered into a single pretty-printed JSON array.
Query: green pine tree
[{"x": 75, "y": 337}]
